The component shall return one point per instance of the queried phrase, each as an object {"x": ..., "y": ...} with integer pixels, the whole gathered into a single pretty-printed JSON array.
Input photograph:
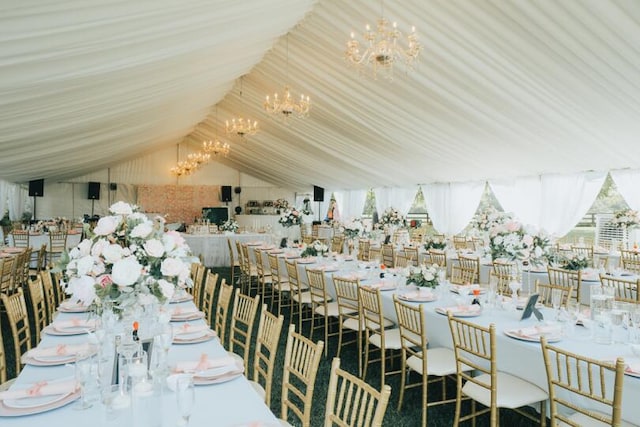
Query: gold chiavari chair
[
  {"x": 6, "y": 274},
  {"x": 460, "y": 243},
  {"x": 353, "y": 402},
  {"x": 416, "y": 236},
  {"x": 584, "y": 251},
  {"x": 57, "y": 245},
  {"x": 575, "y": 380},
  {"x": 503, "y": 273},
  {"x": 38, "y": 307},
  {"x": 17, "y": 275},
  {"x": 629, "y": 255},
  {"x": 322, "y": 305},
  {"x": 402, "y": 261},
  {"x": 49, "y": 294},
  {"x": 389, "y": 255},
  {"x": 243, "y": 316},
  {"x": 208, "y": 295},
  {"x": 264, "y": 275},
  {"x": 475, "y": 347},
  {"x": 251, "y": 271},
  {"x": 566, "y": 278},
  {"x": 41, "y": 261},
  {"x": 433, "y": 364},
  {"x": 626, "y": 290},
  {"x": 411, "y": 253},
  {"x": 20, "y": 238},
  {"x": 349, "y": 314},
  {"x": 279, "y": 283},
  {"x": 364, "y": 245},
  {"x": 265, "y": 351},
  {"x": 222, "y": 310},
  {"x": 301, "y": 298},
  {"x": 631, "y": 265},
  {"x": 545, "y": 291},
  {"x": 438, "y": 257},
  {"x": 375, "y": 333},
  {"x": 301, "y": 361},
  {"x": 198, "y": 278},
  {"x": 16, "y": 309},
  {"x": 470, "y": 267},
  {"x": 235, "y": 263},
  {"x": 337, "y": 244}
]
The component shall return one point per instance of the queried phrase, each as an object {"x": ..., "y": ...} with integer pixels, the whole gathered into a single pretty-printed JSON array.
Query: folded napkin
[
  {"x": 60, "y": 350},
  {"x": 632, "y": 367},
  {"x": 461, "y": 309},
  {"x": 537, "y": 331},
  {"x": 63, "y": 325},
  {"x": 42, "y": 388},
  {"x": 381, "y": 285},
  {"x": 73, "y": 305},
  {"x": 188, "y": 329},
  {"x": 184, "y": 311},
  {"x": 204, "y": 363},
  {"x": 419, "y": 295}
]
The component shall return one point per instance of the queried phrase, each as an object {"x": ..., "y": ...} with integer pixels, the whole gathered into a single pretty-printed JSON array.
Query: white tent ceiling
[{"x": 503, "y": 88}]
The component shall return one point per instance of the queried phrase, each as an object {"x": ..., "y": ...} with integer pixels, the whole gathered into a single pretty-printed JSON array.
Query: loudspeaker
[
  {"x": 226, "y": 193},
  {"x": 318, "y": 194},
  {"x": 36, "y": 188},
  {"x": 113, "y": 186},
  {"x": 237, "y": 190},
  {"x": 94, "y": 191}
]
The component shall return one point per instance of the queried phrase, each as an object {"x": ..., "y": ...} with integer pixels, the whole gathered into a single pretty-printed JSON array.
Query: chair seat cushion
[
  {"x": 391, "y": 339},
  {"x": 332, "y": 309},
  {"x": 440, "y": 362},
  {"x": 513, "y": 392}
]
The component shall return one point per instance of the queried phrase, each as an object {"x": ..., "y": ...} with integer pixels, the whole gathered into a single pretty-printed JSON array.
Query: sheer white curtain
[
  {"x": 451, "y": 205},
  {"x": 398, "y": 198},
  {"x": 627, "y": 181},
  {"x": 4, "y": 188},
  {"x": 18, "y": 196},
  {"x": 554, "y": 202},
  {"x": 351, "y": 203}
]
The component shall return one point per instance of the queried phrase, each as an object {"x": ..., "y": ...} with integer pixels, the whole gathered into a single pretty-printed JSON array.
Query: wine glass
[
  {"x": 83, "y": 375},
  {"x": 186, "y": 396},
  {"x": 556, "y": 300}
]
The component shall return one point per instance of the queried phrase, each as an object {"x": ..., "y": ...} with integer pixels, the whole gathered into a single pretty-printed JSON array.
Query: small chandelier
[
  {"x": 286, "y": 107},
  {"x": 239, "y": 126},
  {"x": 216, "y": 147},
  {"x": 383, "y": 48},
  {"x": 184, "y": 168}
]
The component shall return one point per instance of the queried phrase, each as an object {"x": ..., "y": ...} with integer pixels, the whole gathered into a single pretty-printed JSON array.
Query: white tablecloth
[
  {"x": 214, "y": 247},
  {"x": 233, "y": 403},
  {"x": 37, "y": 240}
]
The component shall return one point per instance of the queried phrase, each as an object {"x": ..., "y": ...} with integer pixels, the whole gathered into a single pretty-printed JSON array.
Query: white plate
[
  {"x": 417, "y": 297},
  {"x": 34, "y": 402},
  {"x": 516, "y": 335},
  {"x": 457, "y": 312},
  {"x": 50, "y": 330}
]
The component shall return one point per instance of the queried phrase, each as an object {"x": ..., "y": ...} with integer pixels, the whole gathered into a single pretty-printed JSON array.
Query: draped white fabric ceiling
[{"x": 503, "y": 88}]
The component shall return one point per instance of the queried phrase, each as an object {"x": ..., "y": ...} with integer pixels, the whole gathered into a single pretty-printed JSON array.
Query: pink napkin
[
  {"x": 42, "y": 388},
  {"x": 72, "y": 305},
  {"x": 188, "y": 328},
  {"x": 183, "y": 311},
  {"x": 204, "y": 363},
  {"x": 60, "y": 350},
  {"x": 461, "y": 309},
  {"x": 62, "y": 325},
  {"x": 537, "y": 331}
]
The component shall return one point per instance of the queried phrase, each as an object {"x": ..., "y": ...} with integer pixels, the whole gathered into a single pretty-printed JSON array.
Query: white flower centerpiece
[
  {"x": 353, "y": 229},
  {"x": 626, "y": 219},
  {"x": 316, "y": 248},
  {"x": 435, "y": 243},
  {"x": 489, "y": 218},
  {"x": 128, "y": 260},
  {"x": 289, "y": 217},
  {"x": 392, "y": 217},
  {"x": 230, "y": 226},
  {"x": 516, "y": 242},
  {"x": 423, "y": 276}
]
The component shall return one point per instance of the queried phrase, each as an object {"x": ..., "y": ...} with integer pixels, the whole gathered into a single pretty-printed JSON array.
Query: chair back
[
  {"x": 567, "y": 279},
  {"x": 545, "y": 292},
  {"x": 301, "y": 361},
  {"x": 18, "y": 317},
  {"x": 17, "y": 275},
  {"x": 292, "y": 272},
  {"x": 317, "y": 286},
  {"x": 232, "y": 255},
  {"x": 197, "y": 284},
  {"x": 438, "y": 257},
  {"x": 42, "y": 257},
  {"x": 470, "y": 267},
  {"x": 459, "y": 243},
  {"x": 389, "y": 255},
  {"x": 626, "y": 290},
  {"x": 629, "y": 255},
  {"x": 402, "y": 261},
  {"x": 363, "y": 249},
  {"x": 264, "y": 358},
  {"x": 411, "y": 253},
  {"x": 38, "y": 306},
  {"x": 6, "y": 274},
  {"x": 371, "y": 310},
  {"x": 26, "y": 265},
  {"x": 49, "y": 294},
  {"x": 475, "y": 346},
  {"x": 3, "y": 362},
  {"x": 243, "y": 317},
  {"x": 631, "y": 265},
  {"x": 222, "y": 309},
  {"x": 503, "y": 273},
  {"x": 353, "y": 402},
  {"x": 574, "y": 380},
  {"x": 274, "y": 266},
  {"x": 347, "y": 297},
  {"x": 337, "y": 244},
  {"x": 57, "y": 244},
  {"x": 20, "y": 238},
  {"x": 584, "y": 251},
  {"x": 208, "y": 296}
]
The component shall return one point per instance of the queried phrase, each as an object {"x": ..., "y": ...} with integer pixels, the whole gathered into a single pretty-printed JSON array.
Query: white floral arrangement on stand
[
  {"x": 392, "y": 217},
  {"x": 289, "y": 218},
  {"x": 423, "y": 276},
  {"x": 626, "y": 219},
  {"x": 281, "y": 204},
  {"x": 229, "y": 225},
  {"x": 489, "y": 218},
  {"x": 314, "y": 249},
  {"x": 353, "y": 229},
  {"x": 127, "y": 259},
  {"x": 515, "y": 242}
]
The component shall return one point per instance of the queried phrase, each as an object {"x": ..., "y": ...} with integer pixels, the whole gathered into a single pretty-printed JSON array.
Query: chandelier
[
  {"x": 184, "y": 168},
  {"x": 285, "y": 107},
  {"x": 383, "y": 48},
  {"x": 216, "y": 147},
  {"x": 239, "y": 126}
]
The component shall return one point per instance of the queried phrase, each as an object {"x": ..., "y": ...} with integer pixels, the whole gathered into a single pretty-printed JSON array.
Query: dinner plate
[
  {"x": 8, "y": 411},
  {"x": 182, "y": 298},
  {"x": 50, "y": 330},
  {"x": 633, "y": 367},
  {"x": 72, "y": 308},
  {"x": 417, "y": 297},
  {"x": 218, "y": 375},
  {"x": 306, "y": 261},
  {"x": 195, "y": 337},
  {"x": 382, "y": 286},
  {"x": 514, "y": 333},
  {"x": 34, "y": 402},
  {"x": 184, "y": 317},
  {"x": 460, "y": 311},
  {"x": 456, "y": 288},
  {"x": 48, "y": 360}
]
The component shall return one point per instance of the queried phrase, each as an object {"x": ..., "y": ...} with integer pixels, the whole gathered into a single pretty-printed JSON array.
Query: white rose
[
  {"x": 84, "y": 265},
  {"x": 84, "y": 248},
  {"x": 106, "y": 225},
  {"x": 527, "y": 240},
  {"x": 171, "y": 267},
  {"x": 98, "y": 269},
  {"x": 82, "y": 289},
  {"x": 154, "y": 248},
  {"x": 98, "y": 247},
  {"x": 166, "y": 288},
  {"x": 142, "y": 230},
  {"x": 112, "y": 253},
  {"x": 138, "y": 216},
  {"x": 121, "y": 208},
  {"x": 126, "y": 272},
  {"x": 429, "y": 277},
  {"x": 538, "y": 252}
]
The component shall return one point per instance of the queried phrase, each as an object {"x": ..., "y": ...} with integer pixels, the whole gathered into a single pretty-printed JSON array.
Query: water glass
[
  {"x": 185, "y": 398},
  {"x": 83, "y": 375},
  {"x": 556, "y": 301},
  {"x": 117, "y": 405},
  {"x": 603, "y": 328}
]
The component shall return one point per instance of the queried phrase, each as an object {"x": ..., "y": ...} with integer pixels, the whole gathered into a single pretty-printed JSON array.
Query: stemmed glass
[
  {"x": 186, "y": 396},
  {"x": 556, "y": 300},
  {"x": 83, "y": 375},
  {"x": 515, "y": 287}
]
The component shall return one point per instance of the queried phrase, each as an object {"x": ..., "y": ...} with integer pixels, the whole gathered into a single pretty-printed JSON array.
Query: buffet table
[
  {"x": 230, "y": 403},
  {"x": 214, "y": 248}
]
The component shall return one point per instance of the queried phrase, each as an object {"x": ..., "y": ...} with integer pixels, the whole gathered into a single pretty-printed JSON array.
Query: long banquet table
[
  {"x": 514, "y": 356},
  {"x": 231, "y": 403},
  {"x": 39, "y": 239},
  {"x": 214, "y": 248}
]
